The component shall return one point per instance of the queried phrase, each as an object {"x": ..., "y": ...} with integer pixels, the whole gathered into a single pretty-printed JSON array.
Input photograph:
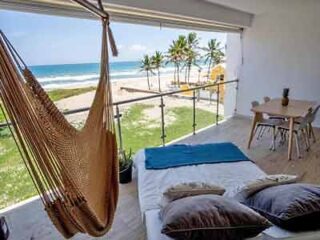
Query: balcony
[
  {"x": 28, "y": 220},
  {"x": 278, "y": 48}
]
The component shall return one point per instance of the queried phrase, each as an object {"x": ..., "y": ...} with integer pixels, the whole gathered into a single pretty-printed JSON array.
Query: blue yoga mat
[{"x": 185, "y": 155}]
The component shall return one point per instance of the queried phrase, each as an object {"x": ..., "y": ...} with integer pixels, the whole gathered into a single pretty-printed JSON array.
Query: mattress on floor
[
  {"x": 231, "y": 176},
  {"x": 152, "y": 183}
]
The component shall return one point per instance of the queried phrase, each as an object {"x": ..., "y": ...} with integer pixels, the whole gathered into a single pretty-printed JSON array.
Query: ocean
[{"x": 77, "y": 75}]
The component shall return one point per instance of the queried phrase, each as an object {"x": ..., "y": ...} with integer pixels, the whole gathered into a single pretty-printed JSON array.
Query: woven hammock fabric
[{"x": 75, "y": 171}]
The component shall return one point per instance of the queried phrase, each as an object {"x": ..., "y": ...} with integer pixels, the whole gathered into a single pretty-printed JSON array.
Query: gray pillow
[
  {"x": 295, "y": 207},
  {"x": 210, "y": 217}
]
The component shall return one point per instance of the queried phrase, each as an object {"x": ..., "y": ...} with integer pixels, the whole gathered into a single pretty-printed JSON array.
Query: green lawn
[
  {"x": 59, "y": 94},
  {"x": 138, "y": 134},
  {"x": 138, "y": 131}
]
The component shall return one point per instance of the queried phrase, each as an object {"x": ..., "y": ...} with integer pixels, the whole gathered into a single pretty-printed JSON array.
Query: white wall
[
  {"x": 233, "y": 53},
  {"x": 282, "y": 49}
]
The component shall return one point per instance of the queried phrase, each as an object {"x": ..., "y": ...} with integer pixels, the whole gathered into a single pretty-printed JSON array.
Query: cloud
[{"x": 137, "y": 48}]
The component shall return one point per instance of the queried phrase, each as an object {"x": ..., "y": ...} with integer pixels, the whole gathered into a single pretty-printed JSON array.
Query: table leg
[
  {"x": 291, "y": 124},
  {"x": 253, "y": 127}
]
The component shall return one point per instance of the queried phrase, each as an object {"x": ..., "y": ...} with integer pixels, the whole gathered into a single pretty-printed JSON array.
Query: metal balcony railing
[{"x": 161, "y": 96}]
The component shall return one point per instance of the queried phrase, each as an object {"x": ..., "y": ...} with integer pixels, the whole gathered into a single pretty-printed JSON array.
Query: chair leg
[
  {"x": 274, "y": 138},
  {"x": 307, "y": 141},
  {"x": 306, "y": 138},
  {"x": 256, "y": 130},
  {"x": 259, "y": 132},
  {"x": 282, "y": 133},
  {"x": 312, "y": 133},
  {"x": 297, "y": 145},
  {"x": 264, "y": 129}
]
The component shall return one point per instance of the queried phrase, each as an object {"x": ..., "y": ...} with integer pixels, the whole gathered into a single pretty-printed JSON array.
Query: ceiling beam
[{"x": 189, "y": 12}]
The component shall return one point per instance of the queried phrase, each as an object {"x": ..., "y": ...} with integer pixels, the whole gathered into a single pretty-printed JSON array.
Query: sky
[{"x": 43, "y": 40}]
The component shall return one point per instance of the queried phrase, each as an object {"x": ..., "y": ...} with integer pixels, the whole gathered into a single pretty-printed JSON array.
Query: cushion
[
  {"x": 262, "y": 183},
  {"x": 210, "y": 217},
  {"x": 189, "y": 189},
  {"x": 295, "y": 207}
]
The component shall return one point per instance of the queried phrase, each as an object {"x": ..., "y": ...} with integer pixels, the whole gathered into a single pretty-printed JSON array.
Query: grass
[
  {"x": 138, "y": 131},
  {"x": 58, "y": 94}
]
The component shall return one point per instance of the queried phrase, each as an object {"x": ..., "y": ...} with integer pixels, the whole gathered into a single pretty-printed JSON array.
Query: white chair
[
  {"x": 269, "y": 123},
  {"x": 300, "y": 131},
  {"x": 268, "y": 99},
  {"x": 310, "y": 121}
]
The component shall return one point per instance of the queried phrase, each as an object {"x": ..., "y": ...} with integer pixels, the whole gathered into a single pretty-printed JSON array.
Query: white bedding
[
  {"x": 231, "y": 176},
  {"x": 152, "y": 183}
]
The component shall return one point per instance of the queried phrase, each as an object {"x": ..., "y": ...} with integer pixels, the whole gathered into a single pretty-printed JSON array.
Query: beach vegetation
[
  {"x": 147, "y": 66},
  {"x": 191, "y": 54},
  {"x": 58, "y": 94},
  {"x": 213, "y": 55},
  {"x": 157, "y": 62},
  {"x": 176, "y": 55}
]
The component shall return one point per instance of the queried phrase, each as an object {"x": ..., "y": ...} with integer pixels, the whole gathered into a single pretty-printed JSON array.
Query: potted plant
[{"x": 125, "y": 167}]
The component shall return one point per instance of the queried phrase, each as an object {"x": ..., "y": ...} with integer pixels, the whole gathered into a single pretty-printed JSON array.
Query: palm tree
[
  {"x": 213, "y": 55},
  {"x": 146, "y": 65},
  {"x": 176, "y": 54},
  {"x": 157, "y": 62},
  {"x": 191, "y": 54}
]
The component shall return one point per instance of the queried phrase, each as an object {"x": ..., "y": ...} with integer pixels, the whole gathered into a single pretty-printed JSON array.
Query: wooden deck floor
[{"x": 128, "y": 225}]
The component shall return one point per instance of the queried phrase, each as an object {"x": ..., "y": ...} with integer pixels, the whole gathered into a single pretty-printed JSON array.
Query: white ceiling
[
  {"x": 251, "y": 6},
  {"x": 263, "y": 6}
]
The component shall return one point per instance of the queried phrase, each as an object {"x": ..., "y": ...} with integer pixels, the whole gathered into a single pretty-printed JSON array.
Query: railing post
[
  {"x": 218, "y": 103},
  {"x": 237, "y": 88},
  {"x": 194, "y": 112},
  {"x": 118, "y": 116},
  {"x": 163, "y": 134}
]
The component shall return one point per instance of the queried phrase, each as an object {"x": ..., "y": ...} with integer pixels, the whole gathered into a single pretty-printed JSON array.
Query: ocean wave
[
  {"x": 58, "y": 81},
  {"x": 68, "y": 78}
]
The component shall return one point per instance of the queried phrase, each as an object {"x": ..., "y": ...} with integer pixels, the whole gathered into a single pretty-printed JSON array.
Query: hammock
[{"x": 75, "y": 171}]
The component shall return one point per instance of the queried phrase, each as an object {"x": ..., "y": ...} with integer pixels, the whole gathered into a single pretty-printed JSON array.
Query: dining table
[{"x": 294, "y": 110}]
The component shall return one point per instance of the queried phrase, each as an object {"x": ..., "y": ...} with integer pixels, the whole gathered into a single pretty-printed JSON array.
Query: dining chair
[
  {"x": 300, "y": 130},
  {"x": 266, "y": 123},
  {"x": 311, "y": 119},
  {"x": 268, "y": 99}
]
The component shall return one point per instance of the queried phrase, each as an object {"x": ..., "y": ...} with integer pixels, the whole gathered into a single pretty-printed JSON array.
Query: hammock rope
[{"x": 75, "y": 171}]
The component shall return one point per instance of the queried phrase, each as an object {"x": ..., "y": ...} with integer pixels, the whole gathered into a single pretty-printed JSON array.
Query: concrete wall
[{"x": 281, "y": 49}]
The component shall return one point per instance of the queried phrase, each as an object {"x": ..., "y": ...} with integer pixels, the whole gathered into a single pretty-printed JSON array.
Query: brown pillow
[
  {"x": 210, "y": 217},
  {"x": 262, "y": 183},
  {"x": 190, "y": 189}
]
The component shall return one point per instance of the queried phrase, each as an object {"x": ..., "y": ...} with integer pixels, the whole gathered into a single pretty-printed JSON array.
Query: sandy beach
[{"x": 85, "y": 100}]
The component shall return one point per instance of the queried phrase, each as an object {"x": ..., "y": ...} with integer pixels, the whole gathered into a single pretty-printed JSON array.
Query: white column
[{"x": 233, "y": 65}]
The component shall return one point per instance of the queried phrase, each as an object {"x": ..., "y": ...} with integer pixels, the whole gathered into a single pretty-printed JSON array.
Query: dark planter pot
[
  {"x": 4, "y": 229},
  {"x": 126, "y": 175}
]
